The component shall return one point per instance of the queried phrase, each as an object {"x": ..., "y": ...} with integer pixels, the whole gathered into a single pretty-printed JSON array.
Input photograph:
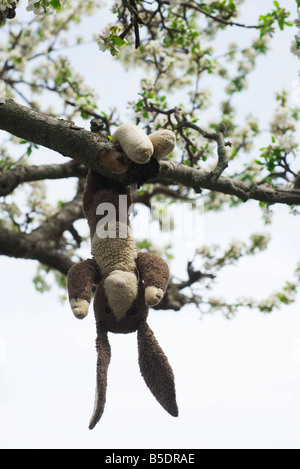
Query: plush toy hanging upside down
[{"x": 127, "y": 282}]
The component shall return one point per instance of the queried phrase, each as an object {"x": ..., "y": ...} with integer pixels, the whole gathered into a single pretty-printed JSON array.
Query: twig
[
  {"x": 218, "y": 137},
  {"x": 135, "y": 21}
]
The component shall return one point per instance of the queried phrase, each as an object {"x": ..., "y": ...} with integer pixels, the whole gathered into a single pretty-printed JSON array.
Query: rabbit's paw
[
  {"x": 153, "y": 296},
  {"x": 79, "y": 307}
]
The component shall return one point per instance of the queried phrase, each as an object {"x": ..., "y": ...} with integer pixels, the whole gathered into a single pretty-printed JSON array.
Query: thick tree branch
[
  {"x": 9, "y": 180},
  {"x": 53, "y": 227},
  {"x": 25, "y": 246},
  {"x": 64, "y": 137},
  {"x": 90, "y": 149},
  {"x": 173, "y": 173},
  {"x": 43, "y": 244}
]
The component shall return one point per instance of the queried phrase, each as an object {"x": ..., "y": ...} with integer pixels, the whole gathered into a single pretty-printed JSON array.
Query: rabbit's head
[{"x": 108, "y": 320}]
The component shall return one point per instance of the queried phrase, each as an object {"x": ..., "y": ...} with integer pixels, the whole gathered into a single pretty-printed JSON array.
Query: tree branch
[
  {"x": 217, "y": 18},
  {"x": 91, "y": 150},
  {"x": 136, "y": 20},
  {"x": 64, "y": 137},
  {"x": 43, "y": 243},
  {"x": 218, "y": 137},
  {"x": 10, "y": 179},
  {"x": 24, "y": 246},
  {"x": 173, "y": 173},
  {"x": 53, "y": 227}
]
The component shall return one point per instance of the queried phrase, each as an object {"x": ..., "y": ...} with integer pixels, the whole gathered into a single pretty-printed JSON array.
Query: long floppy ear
[
  {"x": 104, "y": 354},
  {"x": 156, "y": 370}
]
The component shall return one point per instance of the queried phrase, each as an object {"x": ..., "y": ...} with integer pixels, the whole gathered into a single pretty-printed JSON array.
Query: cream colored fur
[
  {"x": 116, "y": 258},
  {"x": 121, "y": 289},
  {"x": 134, "y": 142},
  {"x": 153, "y": 296},
  {"x": 164, "y": 142},
  {"x": 115, "y": 253},
  {"x": 79, "y": 307}
]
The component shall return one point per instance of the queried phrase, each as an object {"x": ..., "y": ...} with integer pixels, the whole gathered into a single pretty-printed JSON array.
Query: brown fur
[
  {"x": 104, "y": 355},
  {"x": 155, "y": 369},
  {"x": 81, "y": 279},
  {"x": 153, "y": 270},
  {"x": 100, "y": 190}
]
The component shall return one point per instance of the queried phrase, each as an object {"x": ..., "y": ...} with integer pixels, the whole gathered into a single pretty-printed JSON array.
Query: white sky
[{"x": 238, "y": 382}]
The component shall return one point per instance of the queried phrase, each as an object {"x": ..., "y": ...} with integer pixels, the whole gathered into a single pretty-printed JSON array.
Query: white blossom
[
  {"x": 287, "y": 142},
  {"x": 294, "y": 49},
  {"x": 102, "y": 36},
  {"x": 295, "y": 46},
  {"x": 243, "y": 137},
  {"x": 44, "y": 8},
  {"x": 2, "y": 92},
  {"x": 107, "y": 37},
  {"x": 4, "y": 4},
  {"x": 282, "y": 121},
  {"x": 246, "y": 66},
  {"x": 250, "y": 53}
]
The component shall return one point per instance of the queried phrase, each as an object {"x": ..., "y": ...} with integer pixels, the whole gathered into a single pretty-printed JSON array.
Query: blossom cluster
[
  {"x": 283, "y": 127},
  {"x": 275, "y": 158},
  {"x": 295, "y": 48},
  {"x": 108, "y": 38},
  {"x": 48, "y": 72},
  {"x": 45, "y": 7},
  {"x": 5, "y": 4}
]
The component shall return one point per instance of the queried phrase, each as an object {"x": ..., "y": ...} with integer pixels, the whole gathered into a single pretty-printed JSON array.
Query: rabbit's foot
[{"x": 79, "y": 307}]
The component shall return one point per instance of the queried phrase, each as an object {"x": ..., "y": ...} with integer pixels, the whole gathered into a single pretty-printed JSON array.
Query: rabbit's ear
[
  {"x": 104, "y": 354},
  {"x": 156, "y": 370}
]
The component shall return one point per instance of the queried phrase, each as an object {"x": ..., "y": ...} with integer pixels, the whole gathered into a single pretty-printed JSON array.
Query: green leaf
[
  {"x": 118, "y": 41},
  {"x": 281, "y": 24},
  {"x": 56, "y": 4},
  {"x": 84, "y": 115},
  {"x": 276, "y": 4}
]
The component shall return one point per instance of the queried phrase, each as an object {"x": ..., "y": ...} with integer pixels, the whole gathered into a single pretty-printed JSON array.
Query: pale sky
[{"x": 238, "y": 381}]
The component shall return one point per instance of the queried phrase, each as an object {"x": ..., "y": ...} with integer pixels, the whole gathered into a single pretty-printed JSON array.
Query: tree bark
[
  {"x": 25, "y": 246},
  {"x": 12, "y": 178}
]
